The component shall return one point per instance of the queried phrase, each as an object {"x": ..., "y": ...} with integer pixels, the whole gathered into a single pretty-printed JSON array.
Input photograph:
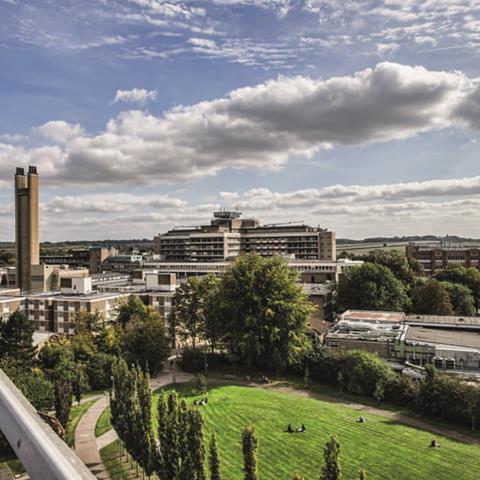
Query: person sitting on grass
[
  {"x": 289, "y": 428},
  {"x": 434, "y": 444},
  {"x": 361, "y": 419}
]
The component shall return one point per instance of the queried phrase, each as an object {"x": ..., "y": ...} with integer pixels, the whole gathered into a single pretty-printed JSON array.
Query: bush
[
  {"x": 363, "y": 372},
  {"x": 193, "y": 360}
]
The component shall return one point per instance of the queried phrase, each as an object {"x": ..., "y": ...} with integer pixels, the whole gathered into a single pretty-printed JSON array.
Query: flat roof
[
  {"x": 457, "y": 321},
  {"x": 372, "y": 315},
  {"x": 443, "y": 337},
  {"x": 10, "y": 298}
]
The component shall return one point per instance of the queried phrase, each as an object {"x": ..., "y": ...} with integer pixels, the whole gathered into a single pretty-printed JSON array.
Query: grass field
[
  {"x": 103, "y": 423},
  {"x": 386, "y": 449}
]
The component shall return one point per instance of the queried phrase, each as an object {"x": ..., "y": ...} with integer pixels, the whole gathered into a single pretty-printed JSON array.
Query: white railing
[{"x": 43, "y": 454}]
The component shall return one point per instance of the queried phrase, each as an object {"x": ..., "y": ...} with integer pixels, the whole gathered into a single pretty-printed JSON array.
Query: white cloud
[
  {"x": 136, "y": 95},
  {"x": 428, "y": 207},
  {"x": 262, "y": 126},
  {"x": 60, "y": 131}
]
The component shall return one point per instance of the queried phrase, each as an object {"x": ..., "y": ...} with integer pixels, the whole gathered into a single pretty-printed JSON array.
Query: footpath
[{"x": 88, "y": 447}]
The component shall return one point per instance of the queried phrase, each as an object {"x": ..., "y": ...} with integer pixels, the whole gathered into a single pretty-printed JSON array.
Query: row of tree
[
  {"x": 180, "y": 451},
  {"x": 256, "y": 311},
  {"x": 392, "y": 282}
]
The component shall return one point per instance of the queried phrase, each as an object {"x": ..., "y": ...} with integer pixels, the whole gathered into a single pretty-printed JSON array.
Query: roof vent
[
  {"x": 20, "y": 171},
  {"x": 32, "y": 169}
]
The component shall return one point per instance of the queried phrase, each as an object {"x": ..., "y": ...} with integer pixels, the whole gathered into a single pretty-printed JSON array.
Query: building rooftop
[
  {"x": 372, "y": 316},
  {"x": 443, "y": 337},
  {"x": 9, "y": 298},
  {"x": 443, "y": 320}
]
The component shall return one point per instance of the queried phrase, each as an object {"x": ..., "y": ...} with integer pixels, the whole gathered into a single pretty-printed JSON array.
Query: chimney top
[
  {"x": 32, "y": 169},
  {"x": 20, "y": 171}
]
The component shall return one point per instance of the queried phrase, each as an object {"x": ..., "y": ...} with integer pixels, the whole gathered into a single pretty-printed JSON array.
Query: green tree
[
  {"x": 406, "y": 269},
  {"x": 266, "y": 313},
  {"x": 365, "y": 373},
  {"x": 56, "y": 350},
  {"x": 213, "y": 313},
  {"x": 461, "y": 298},
  {"x": 99, "y": 370},
  {"x": 171, "y": 446},
  {"x": 33, "y": 383},
  {"x": 80, "y": 384},
  {"x": 132, "y": 308},
  {"x": 189, "y": 313},
  {"x": 431, "y": 298},
  {"x": 63, "y": 401},
  {"x": 470, "y": 277},
  {"x": 146, "y": 439},
  {"x": 144, "y": 342},
  {"x": 250, "y": 452},
  {"x": 370, "y": 287},
  {"x": 214, "y": 459},
  {"x": 331, "y": 468},
  {"x": 196, "y": 449},
  {"x": 16, "y": 340},
  {"x": 362, "y": 475}
]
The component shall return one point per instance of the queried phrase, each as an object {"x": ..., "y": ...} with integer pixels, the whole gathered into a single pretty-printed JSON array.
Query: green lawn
[
  {"x": 75, "y": 416},
  {"x": 386, "y": 449},
  {"x": 103, "y": 423},
  {"x": 118, "y": 468}
]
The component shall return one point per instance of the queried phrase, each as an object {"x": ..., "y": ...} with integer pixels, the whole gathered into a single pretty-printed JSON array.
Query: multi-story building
[
  {"x": 228, "y": 235},
  {"x": 433, "y": 258},
  {"x": 92, "y": 258},
  {"x": 51, "y": 277},
  {"x": 9, "y": 304},
  {"x": 26, "y": 225}
]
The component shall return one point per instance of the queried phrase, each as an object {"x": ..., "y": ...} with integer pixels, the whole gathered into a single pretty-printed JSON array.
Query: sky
[{"x": 360, "y": 116}]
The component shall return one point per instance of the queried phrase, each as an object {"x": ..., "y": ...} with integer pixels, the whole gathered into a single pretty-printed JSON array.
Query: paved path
[
  {"x": 88, "y": 447},
  {"x": 85, "y": 441}
]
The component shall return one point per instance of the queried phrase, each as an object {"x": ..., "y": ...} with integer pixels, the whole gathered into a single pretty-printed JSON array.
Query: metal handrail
[{"x": 43, "y": 454}]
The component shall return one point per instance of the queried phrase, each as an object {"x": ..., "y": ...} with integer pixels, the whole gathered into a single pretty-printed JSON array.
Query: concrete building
[
  {"x": 433, "y": 258},
  {"x": 445, "y": 349},
  {"x": 55, "y": 311},
  {"x": 26, "y": 225},
  {"x": 92, "y": 258},
  {"x": 9, "y": 304},
  {"x": 50, "y": 277},
  {"x": 449, "y": 343},
  {"x": 228, "y": 235}
]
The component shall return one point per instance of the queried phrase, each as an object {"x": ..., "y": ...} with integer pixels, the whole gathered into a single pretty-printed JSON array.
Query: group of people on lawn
[{"x": 298, "y": 430}]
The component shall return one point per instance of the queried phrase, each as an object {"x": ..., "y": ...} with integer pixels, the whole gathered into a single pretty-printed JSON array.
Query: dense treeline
[
  {"x": 437, "y": 395},
  {"x": 392, "y": 282}
]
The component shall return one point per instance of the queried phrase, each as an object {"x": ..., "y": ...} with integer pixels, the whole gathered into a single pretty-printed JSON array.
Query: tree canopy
[
  {"x": 266, "y": 314},
  {"x": 370, "y": 287},
  {"x": 431, "y": 298}
]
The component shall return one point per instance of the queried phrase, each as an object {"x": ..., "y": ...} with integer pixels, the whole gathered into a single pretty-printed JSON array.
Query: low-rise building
[
  {"x": 445, "y": 349},
  {"x": 443, "y": 255}
]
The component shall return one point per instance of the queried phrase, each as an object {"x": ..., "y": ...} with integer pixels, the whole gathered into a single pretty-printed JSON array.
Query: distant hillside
[{"x": 410, "y": 238}]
